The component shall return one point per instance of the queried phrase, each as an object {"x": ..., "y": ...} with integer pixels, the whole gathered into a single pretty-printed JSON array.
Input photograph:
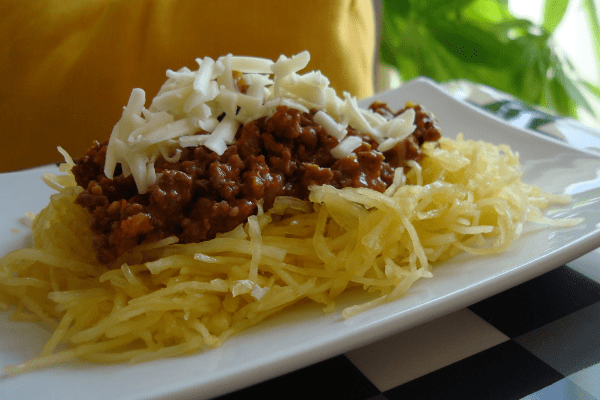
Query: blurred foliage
[{"x": 481, "y": 41}]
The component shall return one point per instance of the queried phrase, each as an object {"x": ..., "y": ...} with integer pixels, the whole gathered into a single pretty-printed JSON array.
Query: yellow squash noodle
[{"x": 166, "y": 299}]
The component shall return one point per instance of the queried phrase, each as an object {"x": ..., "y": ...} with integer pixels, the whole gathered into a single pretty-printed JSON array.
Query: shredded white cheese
[
  {"x": 346, "y": 147},
  {"x": 184, "y": 112},
  {"x": 336, "y": 130}
]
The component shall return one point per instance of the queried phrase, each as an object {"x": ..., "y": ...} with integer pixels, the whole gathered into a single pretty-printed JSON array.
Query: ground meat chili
[{"x": 203, "y": 194}]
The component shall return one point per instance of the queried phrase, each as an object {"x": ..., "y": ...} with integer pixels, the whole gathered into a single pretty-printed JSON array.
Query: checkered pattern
[{"x": 539, "y": 340}]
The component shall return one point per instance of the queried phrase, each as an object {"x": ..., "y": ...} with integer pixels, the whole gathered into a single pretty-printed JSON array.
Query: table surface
[{"x": 539, "y": 340}]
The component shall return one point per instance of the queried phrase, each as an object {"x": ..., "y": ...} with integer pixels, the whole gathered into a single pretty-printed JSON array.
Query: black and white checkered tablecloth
[{"x": 539, "y": 340}]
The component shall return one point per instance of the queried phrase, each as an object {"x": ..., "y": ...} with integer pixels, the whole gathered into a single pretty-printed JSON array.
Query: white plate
[{"x": 305, "y": 335}]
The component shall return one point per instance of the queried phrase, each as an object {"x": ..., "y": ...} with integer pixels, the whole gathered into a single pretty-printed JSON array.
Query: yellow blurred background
[{"x": 68, "y": 68}]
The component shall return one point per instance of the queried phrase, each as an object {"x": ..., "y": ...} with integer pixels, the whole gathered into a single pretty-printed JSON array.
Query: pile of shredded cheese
[{"x": 204, "y": 107}]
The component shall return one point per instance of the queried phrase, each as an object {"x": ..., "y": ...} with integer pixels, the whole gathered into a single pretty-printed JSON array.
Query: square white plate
[{"x": 306, "y": 335}]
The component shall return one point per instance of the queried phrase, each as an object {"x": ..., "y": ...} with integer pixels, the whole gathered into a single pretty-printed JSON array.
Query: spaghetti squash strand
[{"x": 165, "y": 299}]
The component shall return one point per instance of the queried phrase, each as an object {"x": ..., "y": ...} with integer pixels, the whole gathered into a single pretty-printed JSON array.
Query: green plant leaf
[
  {"x": 471, "y": 43},
  {"x": 592, "y": 88},
  {"x": 554, "y": 11},
  {"x": 459, "y": 39},
  {"x": 487, "y": 10},
  {"x": 444, "y": 5},
  {"x": 590, "y": 9}
]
